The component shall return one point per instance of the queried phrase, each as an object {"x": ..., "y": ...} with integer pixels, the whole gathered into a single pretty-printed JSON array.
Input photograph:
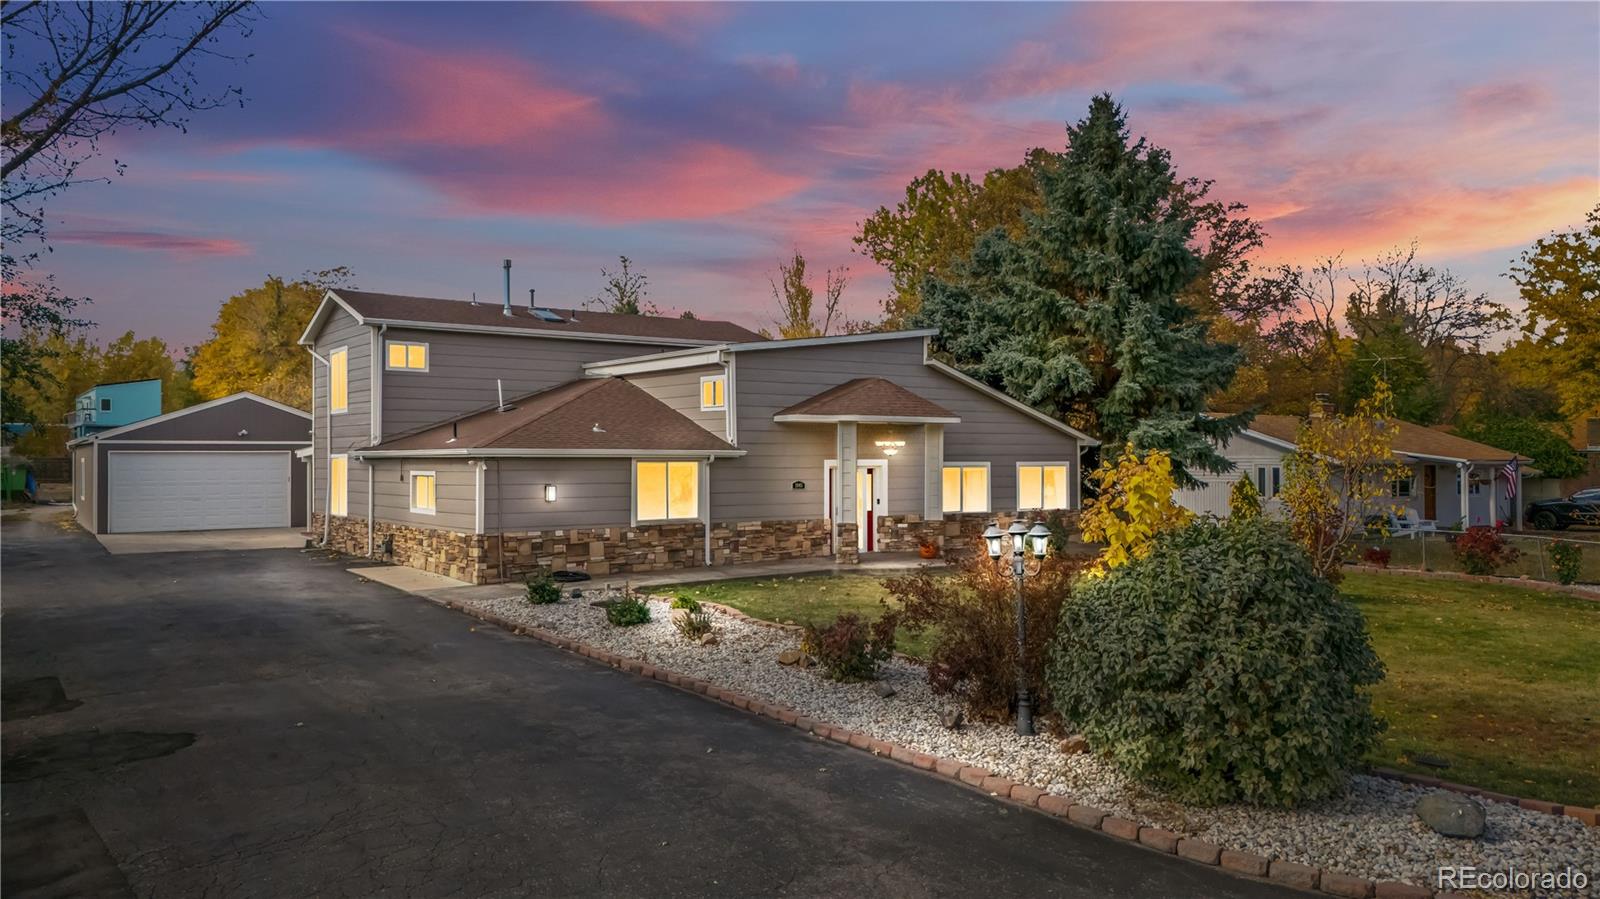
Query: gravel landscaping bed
[{"x": 1371, "y": 832}]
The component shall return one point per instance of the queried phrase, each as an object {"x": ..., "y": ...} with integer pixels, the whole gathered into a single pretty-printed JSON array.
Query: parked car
[{"x": 1581, "y": 508}]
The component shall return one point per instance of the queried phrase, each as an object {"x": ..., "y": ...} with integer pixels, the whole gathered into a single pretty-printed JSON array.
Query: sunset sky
[{"x": 420, "y": 144}]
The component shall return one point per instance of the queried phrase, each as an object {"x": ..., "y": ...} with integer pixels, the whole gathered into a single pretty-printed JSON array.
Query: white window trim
[
  {"x": 345, "y": 491},
  {"x": 633, "y": 492},
  {"x": 427, "y": 355},
  {"x": 988, "y": 486},
  {"x": 331, "y": 353},
  {"x": 411, "y": 491},
  {"x": 105, "y": 404},
  {"x": 1042, "y": 465},
  {"x": 717, "y": 377}
]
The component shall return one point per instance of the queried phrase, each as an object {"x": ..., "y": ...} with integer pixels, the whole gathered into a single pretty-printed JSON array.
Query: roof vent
[
  {"x": 500, "y": 393},
  {"x": 507, "y": 310},
  {"x": 474, "y": 300},
  {"x": 597, "y": 429}
]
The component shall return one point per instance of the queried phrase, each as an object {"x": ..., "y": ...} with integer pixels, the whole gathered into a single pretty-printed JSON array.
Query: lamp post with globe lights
[{"x": 1034, "y": 540}]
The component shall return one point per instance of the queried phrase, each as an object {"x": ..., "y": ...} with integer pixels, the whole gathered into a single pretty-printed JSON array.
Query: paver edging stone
[{"x": 1243, "y": 864}]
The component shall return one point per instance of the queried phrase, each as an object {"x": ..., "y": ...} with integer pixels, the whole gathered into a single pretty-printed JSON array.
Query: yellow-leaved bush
[{"x": 1134, "y": 505}]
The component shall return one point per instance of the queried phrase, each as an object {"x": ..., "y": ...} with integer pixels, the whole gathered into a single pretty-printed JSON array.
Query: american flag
[{"x": 1511, "y": 479}]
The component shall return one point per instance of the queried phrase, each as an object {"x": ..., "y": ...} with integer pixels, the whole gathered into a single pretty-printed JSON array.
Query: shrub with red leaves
[
  {"x": 1481, "y": 550},
  {"x": 851, "y": 648},
  {"x": 974, "y": 622},
  {"x": 1377, "y": 555}
]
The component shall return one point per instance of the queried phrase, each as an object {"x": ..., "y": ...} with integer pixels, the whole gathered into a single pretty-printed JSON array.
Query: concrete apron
[{"x": 202, "y": 541}]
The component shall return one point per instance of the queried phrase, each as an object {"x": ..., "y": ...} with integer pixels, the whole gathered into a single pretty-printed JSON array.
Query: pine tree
[{"x": 1080, "y": 314}]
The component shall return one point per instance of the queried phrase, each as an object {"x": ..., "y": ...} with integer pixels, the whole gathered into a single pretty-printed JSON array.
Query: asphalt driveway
[{"x": 261, "y": 724}]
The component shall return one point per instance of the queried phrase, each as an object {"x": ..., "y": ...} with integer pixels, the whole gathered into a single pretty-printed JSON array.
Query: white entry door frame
[{"x": 873, "y": 472}]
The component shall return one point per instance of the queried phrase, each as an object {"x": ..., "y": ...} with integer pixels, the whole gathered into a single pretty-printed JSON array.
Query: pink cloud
[
  {"x": 180, "y": 245},
  {"x": 679, "y": 21}
]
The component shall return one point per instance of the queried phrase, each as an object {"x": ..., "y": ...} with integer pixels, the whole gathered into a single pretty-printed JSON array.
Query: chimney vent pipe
[{"x": 507, "y": 310}]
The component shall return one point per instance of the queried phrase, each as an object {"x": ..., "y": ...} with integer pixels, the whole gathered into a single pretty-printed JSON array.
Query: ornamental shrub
[
  {"x": 1244, "y": 501},
  {"x": 627, "y": 611},
  {"x": 542, "y": 588},
  {"x": 973, "y": 621},
  {"x": 850, "y": 649},
  {"x": 1481, "y": 550},
  {"x": 1567, "y": 559},
  {"x": 1378, "y": 556},
  {"x": 1219, "y": 668},
  {"x": 690, "y": 620}
]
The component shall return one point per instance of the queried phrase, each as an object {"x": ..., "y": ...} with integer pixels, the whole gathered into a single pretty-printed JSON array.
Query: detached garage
[{"x": 226, "y": 464}]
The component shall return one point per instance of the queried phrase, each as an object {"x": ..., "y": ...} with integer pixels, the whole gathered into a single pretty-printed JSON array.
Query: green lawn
[{"x": 1502, "y": 681}]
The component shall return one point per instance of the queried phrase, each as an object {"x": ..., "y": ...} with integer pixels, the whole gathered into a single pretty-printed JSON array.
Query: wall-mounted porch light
[
  {"x": 549, "y": 493},
  {"x": 889, "y": 447}
]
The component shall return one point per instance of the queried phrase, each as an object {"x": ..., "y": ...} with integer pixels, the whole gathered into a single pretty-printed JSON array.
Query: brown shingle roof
[
  {"x": 1409, "y": 439},
  {"x": 869, "y": 397},
  {"x": 590, "y": 414},
  {"x": 430, "y": 310}
]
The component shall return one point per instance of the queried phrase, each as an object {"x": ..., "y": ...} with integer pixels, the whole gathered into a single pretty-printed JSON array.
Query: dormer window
[{"x": 713, "y": 393}]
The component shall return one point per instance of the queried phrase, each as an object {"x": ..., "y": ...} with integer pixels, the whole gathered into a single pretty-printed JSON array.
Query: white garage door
[
  {"x": 197, "y": 491},
  {"x": 1212, "y": 499}
]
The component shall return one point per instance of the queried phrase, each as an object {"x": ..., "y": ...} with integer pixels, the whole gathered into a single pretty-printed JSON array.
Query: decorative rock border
[{"x": 1286, "y": 873}]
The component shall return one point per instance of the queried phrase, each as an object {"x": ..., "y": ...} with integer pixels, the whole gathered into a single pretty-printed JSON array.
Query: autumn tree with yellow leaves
[{"x": 1135, "y": 506}]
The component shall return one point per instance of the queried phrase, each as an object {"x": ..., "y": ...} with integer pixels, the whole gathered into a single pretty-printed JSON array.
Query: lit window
[
  {"x": 1042, "y": 486},
  {"x": 713, "y": 393},
  {"x": 407, "y": 356},
  {"x": 666, "y": 491},
  {"x": 339, "y": 380},
  {"x": 338, "y": 484},
  {"x": 966, "y": 488},
  {"x": 423, "y": 498}
]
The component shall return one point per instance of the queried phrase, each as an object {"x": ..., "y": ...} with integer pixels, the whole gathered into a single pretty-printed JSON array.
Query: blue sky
[{"x": 422, "y": 143}]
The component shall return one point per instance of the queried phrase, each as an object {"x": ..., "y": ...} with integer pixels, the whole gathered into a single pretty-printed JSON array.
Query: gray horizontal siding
[
  {"x": 455, "y": 493},
  {"x": 463, "y": 368},
  {"x": 589, "y": 493},
  {"x": 681, "y": 391},
  {"x": 758, "y": 485},
  {"x": 350, "y": 429}
]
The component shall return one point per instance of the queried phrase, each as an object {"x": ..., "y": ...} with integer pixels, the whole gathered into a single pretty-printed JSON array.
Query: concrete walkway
[{"x": 441, "y": 589}]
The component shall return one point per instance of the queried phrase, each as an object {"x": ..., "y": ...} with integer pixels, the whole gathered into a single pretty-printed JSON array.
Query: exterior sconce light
[
  {"x": 889, "y": 447},
  {"x": 549, "y": 493}
]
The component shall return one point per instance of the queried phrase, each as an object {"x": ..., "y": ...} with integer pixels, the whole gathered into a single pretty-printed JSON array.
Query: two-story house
[
  {"x": 482, "y": 441},
  {"x": 106, "y": 406}
]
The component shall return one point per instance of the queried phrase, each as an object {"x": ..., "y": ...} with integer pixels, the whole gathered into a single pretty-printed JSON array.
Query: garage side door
[
  {"x": 171, "y": 491},
  {"x": 1212, "y": 499}
]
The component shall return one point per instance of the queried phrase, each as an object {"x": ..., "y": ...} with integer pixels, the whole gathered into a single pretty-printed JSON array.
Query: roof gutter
[{"x": 492, "y": 453}]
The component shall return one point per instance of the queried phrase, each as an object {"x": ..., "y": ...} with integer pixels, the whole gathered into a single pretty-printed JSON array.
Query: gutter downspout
[
  {"x": 327, "y": 495},
  {"x": 707, "y": 523},
  {"x": 375, "y": 415},
  {"x": 369, "y": 506}
]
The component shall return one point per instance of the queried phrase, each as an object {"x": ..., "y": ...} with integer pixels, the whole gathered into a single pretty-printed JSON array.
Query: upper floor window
[
  {"x": 105, "y": 405},
  {"x": 713, "y": 392},
  {"x": 339, "y": 380},
  {"x": 406, "y": 356},
  {"x": 966, "y": 488},
  {"x": 1041, "y": 485},
  {"x": 666, "y": 491},
  {"x": 424, "y": 499}
]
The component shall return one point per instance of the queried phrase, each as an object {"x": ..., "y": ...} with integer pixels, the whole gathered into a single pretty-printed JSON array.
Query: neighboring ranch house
[
  {"x": 228, "y": 463},
  {"x": 483, "y": 441},
  {"x": 1452, "y": 478}
]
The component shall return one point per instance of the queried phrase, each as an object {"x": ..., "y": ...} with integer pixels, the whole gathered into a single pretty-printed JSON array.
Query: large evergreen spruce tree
[{"x": 1080, "y": 315}]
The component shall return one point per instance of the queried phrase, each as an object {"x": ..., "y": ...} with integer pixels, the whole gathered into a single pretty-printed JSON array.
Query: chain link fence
[{"x": 1435, "y": 551}]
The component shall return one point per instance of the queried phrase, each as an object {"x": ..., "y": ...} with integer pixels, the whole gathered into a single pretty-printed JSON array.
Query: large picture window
[
  {"x": 966, "y": 488},
  {"x": 338, "y": 485},
  {"x": 424, "y": 499},
  {"x": 339, "y": 380},
  {"x": 1041, "y": 485},
  {"x": 666, "y": 491}
]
